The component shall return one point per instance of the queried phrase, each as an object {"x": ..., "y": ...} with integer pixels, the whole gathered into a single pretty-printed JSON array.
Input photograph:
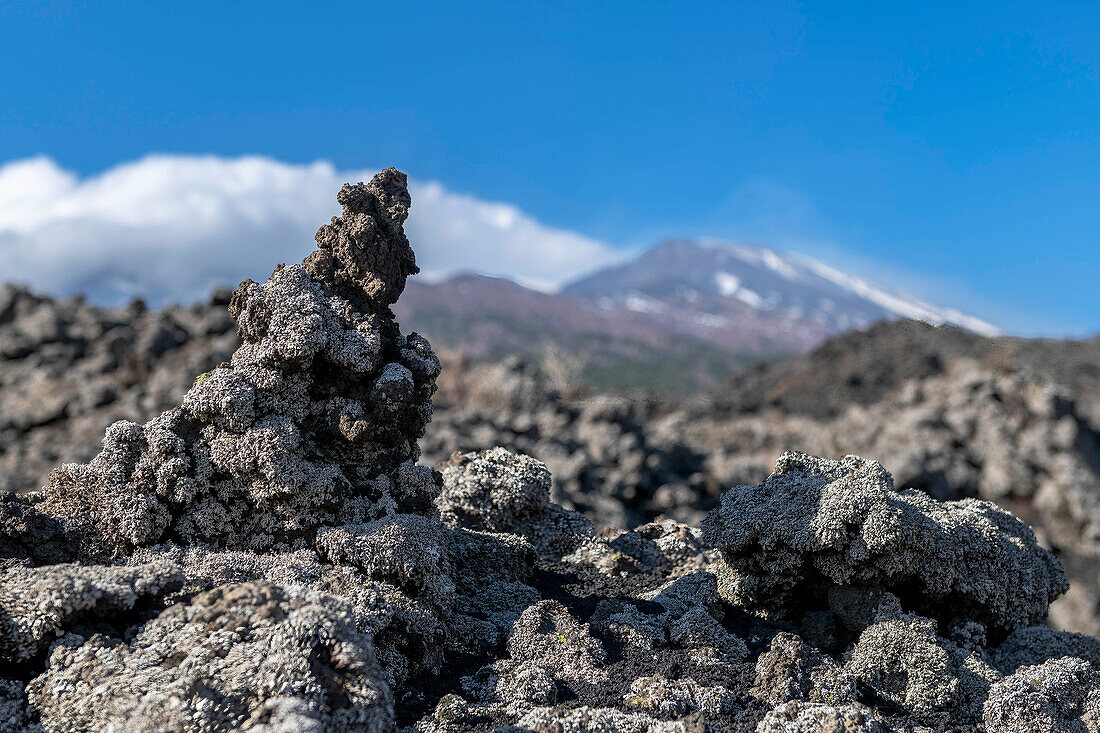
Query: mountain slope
[
  {"x": 489, "y": 318},
  {"x": 677, "y": 317},
  {"x": 794, "y": 291}
]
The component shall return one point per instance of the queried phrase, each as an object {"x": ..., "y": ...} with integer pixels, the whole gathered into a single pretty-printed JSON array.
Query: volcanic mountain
[{"x": 697, "y": 307}]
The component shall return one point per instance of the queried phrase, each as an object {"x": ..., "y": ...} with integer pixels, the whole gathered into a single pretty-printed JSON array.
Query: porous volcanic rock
[
  {"x": 1060, "y": 695},
  {"x": 253, "y": 656},
  {"x": 269, "y": 555},
  {"x": 1012, "y": 421},
  {"x": 294, "y": 462},
  {"x": 312, "y": 417},
  {"x": 812, "y": 717},
  {"x": 69, "y": 368},
  {"x": 815, "y": 523},
  {"x": 1005, "y": 431},
  {"x": 38, "y": 605}
]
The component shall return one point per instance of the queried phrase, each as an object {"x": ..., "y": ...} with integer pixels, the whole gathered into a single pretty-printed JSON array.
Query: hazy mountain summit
[
  {"x": 794, "y": 288},
  {"x": 671, "y": 318}
]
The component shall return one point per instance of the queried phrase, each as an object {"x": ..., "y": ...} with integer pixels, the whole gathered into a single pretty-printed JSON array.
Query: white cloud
[{"x": 171, "y": 227}]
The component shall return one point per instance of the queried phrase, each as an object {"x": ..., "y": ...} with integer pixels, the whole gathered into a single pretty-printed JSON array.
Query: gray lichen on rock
[
  {"x": 270, "y": 556},
  {"x": 547, "y": 635},
  {"x": 500, "y": 491},
  {"x": 816, "y": 523},
  {"x": 1034, "y": 645},
  {"x": 792, "y": 670},
  {"x": 903, "y": 661},
  {"x": 812, "y": 717},
  {"x": 1058, "y": 696},
  {"x": 320, "y": 408},
  {"x": 39, "y": 605},
  {"x": 236, "y": 658}
]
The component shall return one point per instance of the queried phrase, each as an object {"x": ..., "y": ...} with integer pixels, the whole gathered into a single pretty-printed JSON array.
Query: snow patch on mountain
[
  {"x": 751, "y": 298},
  {"x": 727, "y": 283},
  {"x": 900, "y": 305}
]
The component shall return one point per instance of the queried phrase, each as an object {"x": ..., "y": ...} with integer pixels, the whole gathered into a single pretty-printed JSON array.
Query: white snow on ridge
[
  {"x": 900, "y": 305},
  {"x": 750, "y": 298},
  {"x": 801, "y": 269},
  {"x": 643, "y": 304},
  {"x": 770, "y": 259},
  {"x": 778, "y": 265},
  {"x": 727, "y": 283}
]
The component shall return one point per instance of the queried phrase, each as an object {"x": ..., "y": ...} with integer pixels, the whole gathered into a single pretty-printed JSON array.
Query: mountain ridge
[
  {"x": 683, "y": 311},
  {"x": 765, "y": 279}
]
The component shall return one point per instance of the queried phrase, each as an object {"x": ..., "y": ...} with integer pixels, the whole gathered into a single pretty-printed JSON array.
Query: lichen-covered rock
[
  {"x": 13, "y": 708},
  {"x": 239, "y": 657},
  {"x": 364, "y": 254},
  {"x": 1034, "y": 645},
  {"x": 38, "y": 605},
  {"x": 548, "y": 635},
  {"x": 499, "y": 491},
  {"x": 482, "y": 621},
  {"x": 904, "y": 662},
  {"x": 625, "y": 623},
  {"x": 814, "y": 717},
  {"x": 527, "y": 684},
  {"x": 490, "y": 571},
  {"x": 408, "y": 635},
  {"x": 590, "y": 719},
  {"x": 405, "y": 550},
  {"x": 670, "y": 699},
  {"x": 792, "y": 670},
  {"x": 316, "y": 414},
  {"x": 665, "y": 548},
  {"x": 204, "y": 570},
  {"x": 681, "y": 548},
  {"x": 692, "y": 617},
  {"x": 493, "y": 490},
  {"x": 311, "y": 565},
  {"x": 28, "y": 534},
  {"x": 1057, "y": 696},
  {"x": 817, "y": 523},
  {"x": 858, "y": 607}
]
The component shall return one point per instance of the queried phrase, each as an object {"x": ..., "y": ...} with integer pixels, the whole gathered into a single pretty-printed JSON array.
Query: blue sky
[{"x": 952, "y": 149}]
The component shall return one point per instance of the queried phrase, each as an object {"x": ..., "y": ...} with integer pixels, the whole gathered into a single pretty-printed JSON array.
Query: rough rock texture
[
  {"x": 903, "y": 662},
  {"x": 1012, "y": 421},
  {"x": 269, "y": 555},
  {"x": 497, "y": 491},
  {"x": 310, "y": 420},
  {"x": 1036, "y": 644},
  {"x": 13, "y": 708},
  {"x": 545, "y": 634},
  {"x": 68, "y": 369},
  {"x": 802, "y": 717},
  {"x": 1057, "y": 696},
  {"x": 814, "y": 523},
  {"x": 253, "y": 656},
  {"x": 1002, "y": 429},
  {"x": 605, "y": 459},
  {"x": 794, "y": 670},
  {"x": 39, "y": 605},
  {"x": 588, "y": 719},
  {"x": 293, "y": 462},
  {"x": 28, "y": 534},
  {"x": 862, "y": 368}
]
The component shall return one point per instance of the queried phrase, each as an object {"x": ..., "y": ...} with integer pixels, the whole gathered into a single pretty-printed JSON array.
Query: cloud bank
[{"x": 172, "y": 227}]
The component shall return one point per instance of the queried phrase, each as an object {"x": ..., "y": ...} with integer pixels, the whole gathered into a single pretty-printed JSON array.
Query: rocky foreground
[{"x": 273, "y": 552}]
